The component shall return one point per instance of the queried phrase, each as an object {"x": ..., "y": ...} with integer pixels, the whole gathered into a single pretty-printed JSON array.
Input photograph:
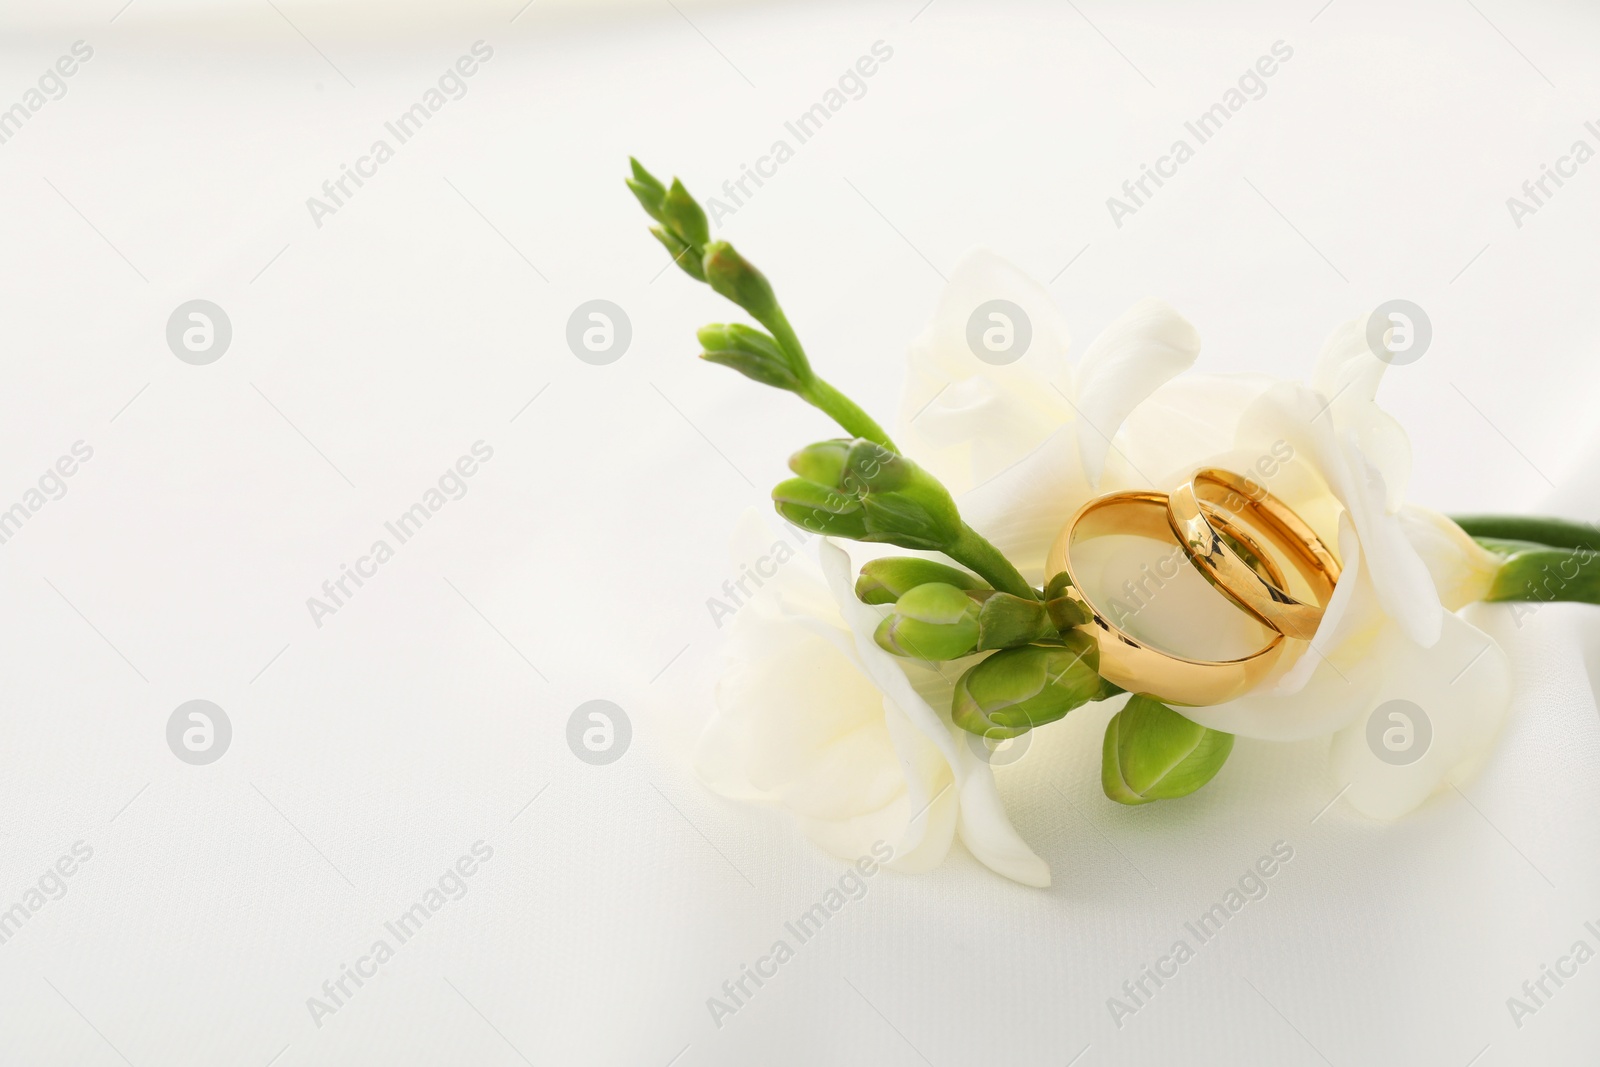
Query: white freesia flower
[
  {"x": 1127, "y": 420},
  {"x": 966, "y": 419},
  {"x": 813, "y": 716},
  {"x": 859, "y": 745}
]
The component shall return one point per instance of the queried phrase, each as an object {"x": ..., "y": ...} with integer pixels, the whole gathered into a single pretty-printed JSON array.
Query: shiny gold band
[
  {"x": 1193, "y": 510},
  {"x": 1125, "y": 660}
]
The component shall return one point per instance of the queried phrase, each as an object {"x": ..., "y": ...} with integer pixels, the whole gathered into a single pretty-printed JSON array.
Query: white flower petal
[
  {"x": 1022, "y": 509},
  {"x": 985, "y": 829},
  {"x": 963, "y": 418},
  {"x": 1463, "y": 570},
  {"x": 1329, "y": 683},
  {"x": 987, "y": 832},
  {"x": 1347, "y": 375},
  {"x": 1190, "y": 422},
  {"x": 1132, "y": 357},
  {"x": 801, "y": 722},
  {"x": 1462, "y": 686},
  {"x": 1302, "y": 418}
]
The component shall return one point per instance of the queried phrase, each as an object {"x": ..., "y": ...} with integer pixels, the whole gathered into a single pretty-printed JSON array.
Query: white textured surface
[{"x": 377, "y": 749}]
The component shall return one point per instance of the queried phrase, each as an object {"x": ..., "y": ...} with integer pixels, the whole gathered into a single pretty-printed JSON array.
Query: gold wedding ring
[
  {"x": 1126, "y": 661},
  {"x": 1194, "y": 509}
]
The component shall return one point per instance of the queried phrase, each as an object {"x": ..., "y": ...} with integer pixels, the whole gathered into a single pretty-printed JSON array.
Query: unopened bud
[
  {"x": 685, "y": 256},
  {"x": 1065, "y": 612},
  {"x": 750, "y": 352},
  {"x": 684, "y": 217},
  {"x": 906, "y": 505},
  {"x": 820, "y": 509},
  {"x": 897, "y": 502},
  {"x": 733, "y": 276},
  {"x": 822, "y": 462},
  {"x": 883, "y": 581},
  {"x": 649, "y": 191},
  {"x": 1153, "y": 753},
  {"x": 931, "y": 622},
  {"x": 1005, "y": 621},
  {"x": 1017, "y": 689}
]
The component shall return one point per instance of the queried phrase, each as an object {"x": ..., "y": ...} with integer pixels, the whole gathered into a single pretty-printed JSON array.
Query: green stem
[
  {"x": 845, "y": 412},
  {"x": 1545, "y": 574},
  {"x": 987, "y": 561},
  {"x": 777, "y": 323},
  {"x": 1557, "y": 533},
  {"x": 1545, "y": 559}
]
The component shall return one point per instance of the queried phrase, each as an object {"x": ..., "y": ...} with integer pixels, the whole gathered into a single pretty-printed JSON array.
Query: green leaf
[{"x": 1153, "y": 753}]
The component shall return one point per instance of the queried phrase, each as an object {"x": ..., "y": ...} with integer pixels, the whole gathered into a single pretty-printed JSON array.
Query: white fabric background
[{"x": 372, "y": 752}]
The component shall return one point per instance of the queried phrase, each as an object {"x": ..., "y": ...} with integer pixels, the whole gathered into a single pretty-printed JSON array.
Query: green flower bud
[
  {"x": 940, "y": 621},
  {"x": 932, "y": 622},
  {"x": 898, "y": 502},
  {"x": 647, "y": 189},
  {"x": 1017, "y": 689},
  {"x": 684, "y": 217},
  {"x": 822, "y": 462},
  {"x": 904, "y": 504},
  {"x": 750, "y": 352},
  {"x": 820, "y": 509},
  {"x": 1005, "y": 621},
  {"x": 731, "y": 275},
  {"x": 683, "y": 255},
  {"x": 1065, "y": 612},
  {"x": 1153, "y": 753},
  {"x": 883, "y": 581}
]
